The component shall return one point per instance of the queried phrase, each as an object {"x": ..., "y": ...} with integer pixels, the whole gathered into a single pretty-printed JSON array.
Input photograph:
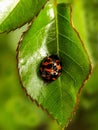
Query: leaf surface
[
  {"x": 52, "y": 33},
  {"x": 15, "y": 13}
]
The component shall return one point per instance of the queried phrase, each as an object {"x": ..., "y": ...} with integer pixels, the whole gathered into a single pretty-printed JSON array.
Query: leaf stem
[{"x": 55, "y": 2}]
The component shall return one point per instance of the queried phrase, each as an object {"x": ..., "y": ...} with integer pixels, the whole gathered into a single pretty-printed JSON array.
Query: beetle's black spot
[{"x": 49, "y": 66}]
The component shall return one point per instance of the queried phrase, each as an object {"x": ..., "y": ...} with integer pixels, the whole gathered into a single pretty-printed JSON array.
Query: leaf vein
[
  {"x": 63, "y": 17},
  {"x": 72, "y": 60},
  {"x": 68, "y": 39},
  {"x": 69, "y": 75}
]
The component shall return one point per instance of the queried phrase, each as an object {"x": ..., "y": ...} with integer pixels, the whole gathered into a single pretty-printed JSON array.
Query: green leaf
[
  {"x": 52, "y": 33},
  {"x": 15, "y": 13}
]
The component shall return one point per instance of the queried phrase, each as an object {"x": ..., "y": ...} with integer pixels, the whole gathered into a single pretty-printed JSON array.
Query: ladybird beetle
[{"x": 50, "y": 68}]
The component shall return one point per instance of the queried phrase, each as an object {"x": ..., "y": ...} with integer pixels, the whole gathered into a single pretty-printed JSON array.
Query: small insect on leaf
[{"x": 50, "y": 68}]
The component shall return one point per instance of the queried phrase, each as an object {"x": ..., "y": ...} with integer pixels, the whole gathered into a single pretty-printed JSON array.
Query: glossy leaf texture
[
  {"x": 52, "y": 33},
  {"x": 15, "y": 13}
]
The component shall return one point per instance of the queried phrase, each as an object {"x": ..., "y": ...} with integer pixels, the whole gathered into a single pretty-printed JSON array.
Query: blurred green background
[{"x": 17, "y": 112}]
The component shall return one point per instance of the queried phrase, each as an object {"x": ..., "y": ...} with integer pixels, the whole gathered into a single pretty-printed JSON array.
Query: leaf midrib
[{"x": 59, "y": 79}]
